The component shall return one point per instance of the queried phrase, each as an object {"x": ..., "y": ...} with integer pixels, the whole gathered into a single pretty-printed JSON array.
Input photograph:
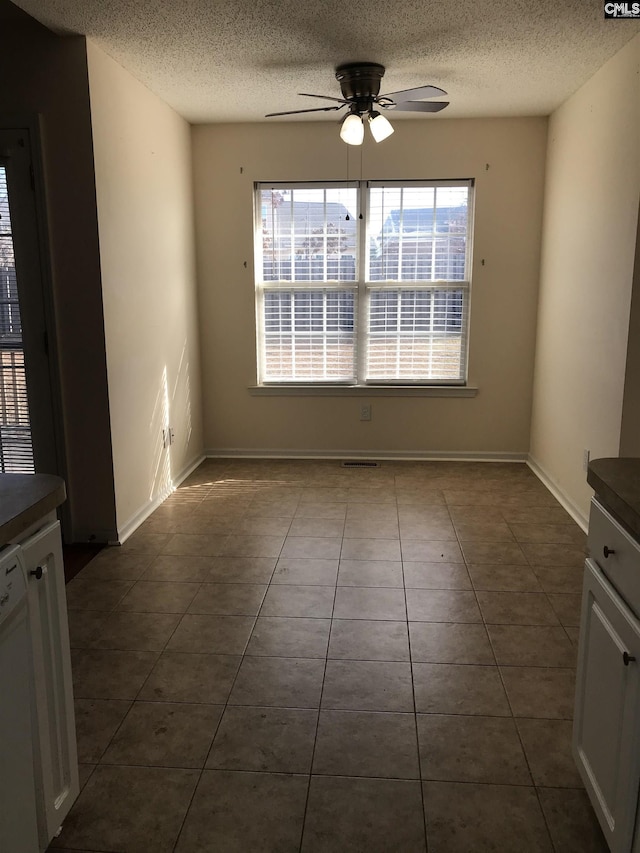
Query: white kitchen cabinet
[
  {"x": 44, "y": 755},
  {"x": 53, "y": 723},
  {"x": 606, "y": 731},
  {"x": 18, "y": 812}
]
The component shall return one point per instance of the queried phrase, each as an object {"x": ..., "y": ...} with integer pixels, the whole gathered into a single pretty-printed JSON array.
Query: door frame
[{"x": 49, "y": 450}]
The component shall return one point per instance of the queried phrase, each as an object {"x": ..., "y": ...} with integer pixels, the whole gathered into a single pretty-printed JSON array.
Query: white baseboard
[
  {"x": 143, "y": 514},
  {"x": 382, "y": 455},
  {"x": 574, "y": 511}
]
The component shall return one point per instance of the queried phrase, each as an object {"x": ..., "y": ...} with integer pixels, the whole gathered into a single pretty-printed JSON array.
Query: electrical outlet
[
  {"x": 365, "y": 412},
  {"x": 586, "y": 455}
]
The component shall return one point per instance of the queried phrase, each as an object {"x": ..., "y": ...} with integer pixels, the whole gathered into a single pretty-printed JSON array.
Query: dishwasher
[{"x": 18, "y": 810}]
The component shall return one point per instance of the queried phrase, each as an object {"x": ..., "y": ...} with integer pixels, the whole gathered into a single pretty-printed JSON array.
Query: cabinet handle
[
  {"x": 37, "y": 573},
  {"x": 627, "y": 658},
  {"x": 606, "y": 551}
]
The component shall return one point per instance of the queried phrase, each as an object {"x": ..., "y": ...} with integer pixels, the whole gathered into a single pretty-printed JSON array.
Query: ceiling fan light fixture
[
  {"x": 352, "y": 130},
  {"x": 380, "y": 126}
]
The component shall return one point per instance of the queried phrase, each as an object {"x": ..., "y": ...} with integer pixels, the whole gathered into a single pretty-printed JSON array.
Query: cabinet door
[
  {"x": 605, "y": 733},
  {"x": 55, "y": 753}
]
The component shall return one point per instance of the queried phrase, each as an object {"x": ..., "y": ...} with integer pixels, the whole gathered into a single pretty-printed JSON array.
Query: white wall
[
  {"x": 145, "y": 220},
  {"x": 588, "y": 245},
  {"x": 229, "y": 158}
]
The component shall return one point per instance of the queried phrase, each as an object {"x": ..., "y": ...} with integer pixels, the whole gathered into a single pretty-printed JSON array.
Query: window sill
[{"x": 362, "y": 390}]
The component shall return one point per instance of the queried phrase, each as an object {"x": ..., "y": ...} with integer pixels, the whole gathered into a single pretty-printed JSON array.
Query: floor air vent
[{"x": 364, "y": 463}]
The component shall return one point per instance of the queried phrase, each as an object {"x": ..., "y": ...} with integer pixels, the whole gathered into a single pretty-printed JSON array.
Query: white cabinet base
[
  {"x": 606, "y": 735},
  {"x": 55, "y": 752}
]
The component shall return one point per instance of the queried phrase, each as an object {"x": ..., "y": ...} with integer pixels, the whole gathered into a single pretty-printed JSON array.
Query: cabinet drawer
[{"x": 616, "y": 553}]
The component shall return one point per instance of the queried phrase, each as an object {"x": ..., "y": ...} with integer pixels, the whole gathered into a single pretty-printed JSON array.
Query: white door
[
  {"x": 28, "y": 428},
  {"x": 606, "y": 733}
]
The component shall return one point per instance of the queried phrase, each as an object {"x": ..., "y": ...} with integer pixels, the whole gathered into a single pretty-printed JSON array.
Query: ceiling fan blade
[
  {"x": 325, "y": 97},
  {"x": 419, "y": 107},
  {"x": 295, "y": 112},
  {"x": 416, "y": 94}
]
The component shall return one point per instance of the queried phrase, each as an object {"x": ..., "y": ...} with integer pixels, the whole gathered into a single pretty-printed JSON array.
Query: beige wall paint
[
  {"x": 630, "y": 430},
  {"x": 589, "y": 234},
  {"x": 145, "y": 218},
  {"x": 46, "y": 75},
  {"x": 229, "y": 158}
]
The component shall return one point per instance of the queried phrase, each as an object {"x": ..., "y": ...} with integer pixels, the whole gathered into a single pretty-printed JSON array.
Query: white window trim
[
  {"x": 363, "y": 287},
  {"x": 318, "y": 390}
]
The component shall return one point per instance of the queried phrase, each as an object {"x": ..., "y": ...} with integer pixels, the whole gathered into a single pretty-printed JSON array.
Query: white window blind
[
  {"x": 16, "y": 448},
  {"x": 309, "y": 335},
  {"x": 307, "y": 241},
  {"x": 415, "y": 334},
  {"x": 419, "y": 239},
  {"x": 411, "y": 293}
]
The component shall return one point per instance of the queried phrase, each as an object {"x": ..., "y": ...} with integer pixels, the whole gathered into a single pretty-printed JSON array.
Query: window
[
  {"x": 364, "y": 283},
  {"x": 16, "y": 448}
]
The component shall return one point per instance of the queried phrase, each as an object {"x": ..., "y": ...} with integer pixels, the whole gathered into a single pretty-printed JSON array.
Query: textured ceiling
[{"x": 235, "y": 60}]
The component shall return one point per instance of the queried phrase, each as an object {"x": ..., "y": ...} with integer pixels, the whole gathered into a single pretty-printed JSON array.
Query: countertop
[
  {"x": 24, "y": 498},
  {"x": 616, "y": 482}
]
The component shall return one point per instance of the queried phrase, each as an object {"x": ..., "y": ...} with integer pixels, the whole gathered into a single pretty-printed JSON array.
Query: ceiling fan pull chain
[{"x": 347, "y": 217}]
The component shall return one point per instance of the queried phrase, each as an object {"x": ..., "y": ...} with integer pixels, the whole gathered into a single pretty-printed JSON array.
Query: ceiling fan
[{"x": 360, "y": 86}]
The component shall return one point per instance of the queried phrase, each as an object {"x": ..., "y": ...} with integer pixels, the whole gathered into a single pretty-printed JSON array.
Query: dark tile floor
[
  {"x": 296, "y": 656},
  {"x": 76, "y": 558}
]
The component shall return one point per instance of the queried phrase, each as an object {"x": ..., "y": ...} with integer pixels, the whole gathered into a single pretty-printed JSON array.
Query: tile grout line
[
  {"x": 521, "y": 742},
  {"x": 546, "y": 593},
  {"x": 324, "y": 675},
  {"x": 415, "y": 710},
  {"x": 201, "y": 772},
  {"x": 131, "y": 705},
  {"x": 524, "y": 752},
  {"x": 132, "y": 701},
  {"x": 504, "y": 688},
  {"x": 226, "y": 705}
]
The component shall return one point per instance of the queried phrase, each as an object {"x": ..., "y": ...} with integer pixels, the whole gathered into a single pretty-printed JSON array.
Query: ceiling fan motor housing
[
  {"x": 360, "y": 83},
  {"x": 360, "y": 86}
]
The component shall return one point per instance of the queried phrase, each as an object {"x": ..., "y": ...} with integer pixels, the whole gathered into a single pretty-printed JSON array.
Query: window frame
[{"x": 363, "y": 287}]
